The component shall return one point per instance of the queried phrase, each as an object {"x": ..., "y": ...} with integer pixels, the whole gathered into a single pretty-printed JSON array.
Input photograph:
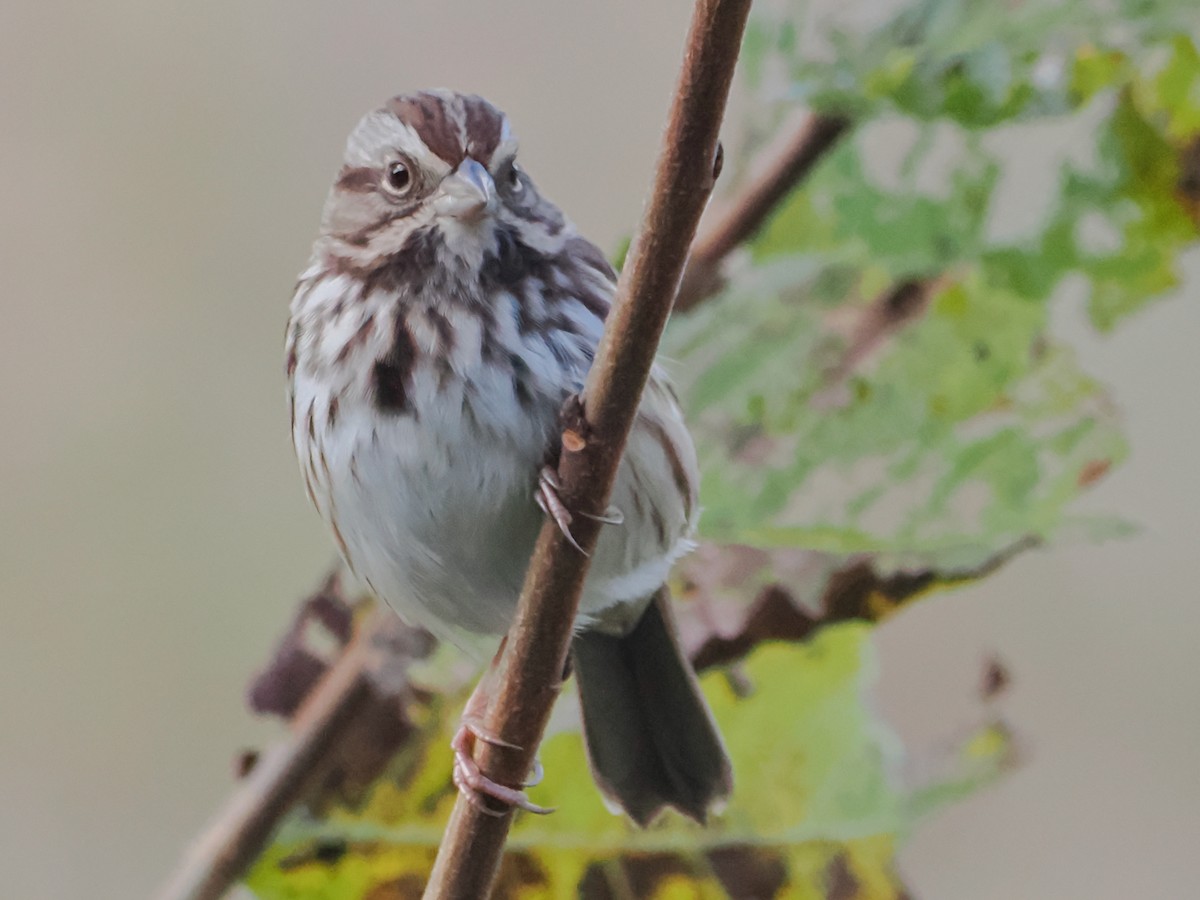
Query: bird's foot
[
  {"x": 475, "y": 786},
  {"x": 552, "y": 505}
]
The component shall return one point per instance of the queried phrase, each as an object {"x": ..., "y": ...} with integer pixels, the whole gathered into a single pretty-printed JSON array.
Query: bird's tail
[{"x": 650, "y": 737}]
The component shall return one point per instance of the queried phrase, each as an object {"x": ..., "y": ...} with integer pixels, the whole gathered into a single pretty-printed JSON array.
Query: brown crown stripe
[
  {"x": 427, "y": 115},
  {"x": 485, "y": 124},
  {"x": 430, "y": 116}
]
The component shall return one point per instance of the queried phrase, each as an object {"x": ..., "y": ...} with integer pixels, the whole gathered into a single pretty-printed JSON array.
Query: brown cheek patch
[
  {"x": 427, "y": 115},
  {"x": 358, "y": 179}
]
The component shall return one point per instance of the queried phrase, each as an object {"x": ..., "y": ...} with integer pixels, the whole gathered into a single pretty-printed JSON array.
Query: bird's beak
[{"x": 466, "y": 193}]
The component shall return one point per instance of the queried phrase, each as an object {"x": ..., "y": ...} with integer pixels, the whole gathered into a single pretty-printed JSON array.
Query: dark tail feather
[{"x": 650, "y": 738}]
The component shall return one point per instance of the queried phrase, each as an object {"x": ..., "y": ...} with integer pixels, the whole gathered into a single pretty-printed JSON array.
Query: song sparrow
[{"x": 447, "y": 312}]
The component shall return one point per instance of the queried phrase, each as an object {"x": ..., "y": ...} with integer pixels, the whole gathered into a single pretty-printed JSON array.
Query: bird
[{"x": 447, "y": 313}]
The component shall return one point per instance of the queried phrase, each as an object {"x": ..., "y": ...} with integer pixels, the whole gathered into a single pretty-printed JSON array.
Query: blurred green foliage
[
  {"x": 816, "y": 800},
  {"x": 875, "y": 383},
  {"x": 940, "y": 435}
]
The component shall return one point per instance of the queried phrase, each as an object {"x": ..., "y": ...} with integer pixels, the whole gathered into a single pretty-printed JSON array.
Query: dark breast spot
[
  {"x": 445, "y": 331},
  {"x": 521, "y": 378},
  {"x": 491, "y": 348},
  {"x": 410, "y": 268},
  {"x": 511, "y": 263},
  {"x": 391, "y": 379}
]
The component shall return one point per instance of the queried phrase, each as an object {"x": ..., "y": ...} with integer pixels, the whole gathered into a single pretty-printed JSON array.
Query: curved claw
[
  {"x": 473, "y": 795},
  {"x": 474, "y": 785},
  {"x": 551, "y": 504},
  {"x": 611, "y": 516},
  {"x": 472, "y": 728},
  {"x": 536, "y": 774}
]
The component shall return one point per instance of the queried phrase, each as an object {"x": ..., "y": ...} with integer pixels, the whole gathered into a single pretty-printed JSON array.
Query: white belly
[
  {"x": 437, "y": 522},
  {"x": 434, "y": 507}
]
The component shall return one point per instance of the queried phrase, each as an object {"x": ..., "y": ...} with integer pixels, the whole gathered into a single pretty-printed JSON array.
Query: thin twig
[
  {"x": 594, "y": 440},
  {"x": 227, "y": 848},
  {"x": 784, "y": 164}
]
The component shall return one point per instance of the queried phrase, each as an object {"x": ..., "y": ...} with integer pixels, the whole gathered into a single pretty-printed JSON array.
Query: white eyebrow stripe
[
  {"x": 380, "y": 135},
  {"x": 420, "y": 153},
  {"x": 456, "y": 109}
]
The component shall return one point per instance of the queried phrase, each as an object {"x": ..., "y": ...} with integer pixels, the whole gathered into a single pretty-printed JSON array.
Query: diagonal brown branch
[{"x": 594, "y": 439}]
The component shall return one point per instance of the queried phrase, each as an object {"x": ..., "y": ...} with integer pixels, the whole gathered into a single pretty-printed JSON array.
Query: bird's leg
[
  {"x": 468, "y": 777},
  {"x": 552, "y": 505}
]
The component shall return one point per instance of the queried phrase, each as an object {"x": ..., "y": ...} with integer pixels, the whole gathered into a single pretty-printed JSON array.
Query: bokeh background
[{"x": 162, "y": 168}]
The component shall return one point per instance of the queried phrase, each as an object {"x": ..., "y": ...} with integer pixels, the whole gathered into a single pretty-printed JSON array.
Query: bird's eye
[
  {"x": 398, "y": 178},
  {"x": 514, "y": 177}
]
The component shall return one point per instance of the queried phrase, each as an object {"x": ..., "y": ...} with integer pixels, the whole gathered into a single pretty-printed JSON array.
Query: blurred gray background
[{"x": 161, "y": 173}]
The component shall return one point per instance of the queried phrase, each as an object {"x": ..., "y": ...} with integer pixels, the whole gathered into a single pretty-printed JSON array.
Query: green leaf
[
  {"x": 821, "y": 799},
  {"x": 967, "y": 430},
  {"x": 976, "y": 63},
  {"x": 1135, "y": 215}
]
